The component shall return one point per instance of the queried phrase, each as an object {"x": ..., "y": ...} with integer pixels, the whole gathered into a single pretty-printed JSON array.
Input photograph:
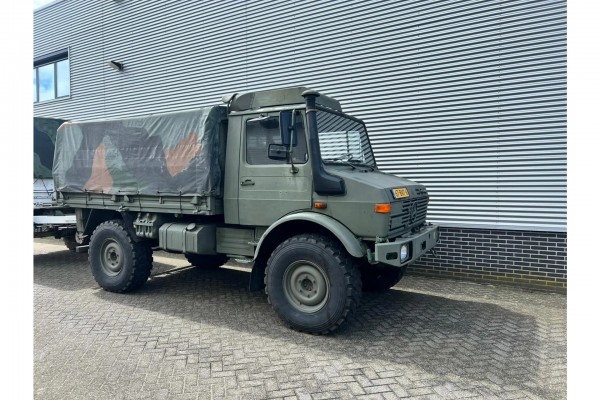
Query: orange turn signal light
[
  {"x": 383, "y": 208},
  {"x": 320, "y": 204}
]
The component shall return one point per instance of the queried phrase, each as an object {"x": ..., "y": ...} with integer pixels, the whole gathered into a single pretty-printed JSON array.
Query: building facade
[{"x": 466, "y": 97}]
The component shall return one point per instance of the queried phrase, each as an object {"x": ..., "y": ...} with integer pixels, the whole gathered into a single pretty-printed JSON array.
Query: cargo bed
[{"x": 166, "y": 163}]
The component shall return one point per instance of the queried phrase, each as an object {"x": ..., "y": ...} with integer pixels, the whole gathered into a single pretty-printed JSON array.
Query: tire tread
[
  {"x": 345, "y": 262},
  {"x": 141, "y": 255}
]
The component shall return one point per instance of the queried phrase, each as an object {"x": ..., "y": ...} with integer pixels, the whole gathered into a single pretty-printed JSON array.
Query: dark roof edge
[{"x": 276, "y": 97}]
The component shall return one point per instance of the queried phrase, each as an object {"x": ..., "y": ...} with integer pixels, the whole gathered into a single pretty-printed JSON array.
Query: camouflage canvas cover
[
  {"x": 44, "y": 137},
  {"x": 166, "y": 154}
]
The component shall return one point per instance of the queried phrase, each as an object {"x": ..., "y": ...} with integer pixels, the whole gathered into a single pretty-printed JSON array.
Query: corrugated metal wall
[{"x": 466, "y": 97}]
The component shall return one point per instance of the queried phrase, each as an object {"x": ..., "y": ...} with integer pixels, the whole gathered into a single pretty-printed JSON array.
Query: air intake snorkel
[{"x": 325, "y": 183}]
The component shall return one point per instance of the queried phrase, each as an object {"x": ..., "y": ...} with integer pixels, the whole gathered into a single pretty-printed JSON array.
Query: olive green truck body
[{"x": 281, "y": 179}]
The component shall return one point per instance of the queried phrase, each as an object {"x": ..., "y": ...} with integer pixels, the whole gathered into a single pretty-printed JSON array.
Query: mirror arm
[{"x": 292, "y": 130}]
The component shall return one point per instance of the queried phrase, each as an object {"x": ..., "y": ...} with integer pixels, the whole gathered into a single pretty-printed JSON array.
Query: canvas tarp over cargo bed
[
  {"x": 44, "y": 137},
  {"x": 167, "y": 154}
]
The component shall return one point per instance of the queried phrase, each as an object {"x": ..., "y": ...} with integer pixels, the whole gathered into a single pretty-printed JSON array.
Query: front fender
[{"x": 343, "y": 234}]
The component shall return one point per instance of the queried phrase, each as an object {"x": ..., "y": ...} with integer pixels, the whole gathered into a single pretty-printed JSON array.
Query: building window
[{"x": 51, "y": 77}]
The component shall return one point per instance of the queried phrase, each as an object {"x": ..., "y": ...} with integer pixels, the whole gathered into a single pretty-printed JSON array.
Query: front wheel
[
  {"x": 312, "y": 283},
  {"x": 118, "y": 262}
]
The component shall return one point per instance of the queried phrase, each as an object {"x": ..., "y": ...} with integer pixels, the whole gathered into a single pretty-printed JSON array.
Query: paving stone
[{"x": 190, "y": 333}]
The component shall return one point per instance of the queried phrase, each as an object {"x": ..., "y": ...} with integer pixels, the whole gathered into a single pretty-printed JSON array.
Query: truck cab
[{"x": 311, "y": 159}]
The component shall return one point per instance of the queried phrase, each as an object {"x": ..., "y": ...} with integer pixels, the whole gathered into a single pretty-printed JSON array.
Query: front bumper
[{"x": 418, "y": 244}]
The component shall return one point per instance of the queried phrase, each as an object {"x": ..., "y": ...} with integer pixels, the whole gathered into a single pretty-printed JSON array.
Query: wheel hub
[
  {"x": 306, "y": 286},
  {"x": 111, "y": 257}
]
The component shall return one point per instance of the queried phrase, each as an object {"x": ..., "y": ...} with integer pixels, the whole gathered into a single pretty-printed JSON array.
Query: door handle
[{"x": 247, "y": 182}]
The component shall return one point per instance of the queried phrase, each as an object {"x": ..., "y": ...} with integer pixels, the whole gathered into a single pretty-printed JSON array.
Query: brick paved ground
[{"x": 193, "y": 334}]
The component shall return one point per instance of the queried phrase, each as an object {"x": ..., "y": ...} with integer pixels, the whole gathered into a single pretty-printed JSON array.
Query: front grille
[{"x": 407, "y": 214}]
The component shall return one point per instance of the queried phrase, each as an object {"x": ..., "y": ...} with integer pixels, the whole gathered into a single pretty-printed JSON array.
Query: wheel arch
[
  {"x": 89, "y": 219},
  {"x": 294, "y": 224}
]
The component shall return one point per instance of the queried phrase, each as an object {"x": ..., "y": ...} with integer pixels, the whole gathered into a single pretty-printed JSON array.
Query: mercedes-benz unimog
[{"x": 282, "y": 179}]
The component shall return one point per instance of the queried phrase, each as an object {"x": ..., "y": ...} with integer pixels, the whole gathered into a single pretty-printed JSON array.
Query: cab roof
[{"x": 276, "y": 97}]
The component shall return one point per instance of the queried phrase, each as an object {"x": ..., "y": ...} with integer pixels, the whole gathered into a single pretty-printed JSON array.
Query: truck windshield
[{"x": 343, "y": 139}]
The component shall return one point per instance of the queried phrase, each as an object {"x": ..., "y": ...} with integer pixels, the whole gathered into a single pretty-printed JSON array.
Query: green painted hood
[
  {"x": 375, "y": 179},
  {"x": 355, "y": 209}
]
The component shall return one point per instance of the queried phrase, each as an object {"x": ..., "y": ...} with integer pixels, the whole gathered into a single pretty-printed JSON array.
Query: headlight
[{"x": 403, "y": 252}]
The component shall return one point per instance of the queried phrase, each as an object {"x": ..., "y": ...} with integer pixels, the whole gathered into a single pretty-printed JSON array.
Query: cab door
[{"x": 271, "y": 188}]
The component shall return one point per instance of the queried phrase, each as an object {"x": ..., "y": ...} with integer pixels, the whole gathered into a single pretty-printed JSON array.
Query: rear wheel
[
  {"x": 76, "y": 240},
  {"x": 70, "y": 242},
  {"x": 312, "y": 283},
  {"x": 119, "y": 264},
  {"x": 376, "y": 278},
  {"x": 206, "y": 261}
]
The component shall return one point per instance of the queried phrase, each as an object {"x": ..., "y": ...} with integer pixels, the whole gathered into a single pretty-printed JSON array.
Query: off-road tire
[
  {"x": 206, "y": 261},
  {"x": 70, "y": 242},
  {"x": 378, "y": 279},
  {"x": 134, "y": 259},
  {"x": 338, "y": 268}
]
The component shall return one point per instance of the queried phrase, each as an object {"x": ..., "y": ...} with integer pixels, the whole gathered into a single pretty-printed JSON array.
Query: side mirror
[{"x": 278, "y": 152}]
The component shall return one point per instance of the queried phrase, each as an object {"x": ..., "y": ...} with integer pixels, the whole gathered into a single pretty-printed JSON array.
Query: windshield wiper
[
  {"x": 338, "y": 161},
  {"x": 360, "y": 163},
  {"x": 349, "y": 162}
]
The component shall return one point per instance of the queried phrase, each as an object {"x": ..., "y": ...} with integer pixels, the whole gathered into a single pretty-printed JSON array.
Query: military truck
[
  {"x": 49, "y": 218},
  {"x": 281, "y": 179}
]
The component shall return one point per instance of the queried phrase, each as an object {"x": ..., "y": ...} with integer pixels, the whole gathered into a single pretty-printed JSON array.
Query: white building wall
[{"x": 466, "y": 97}]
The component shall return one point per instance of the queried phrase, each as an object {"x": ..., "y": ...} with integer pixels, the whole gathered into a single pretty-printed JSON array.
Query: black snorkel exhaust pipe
[{"x": 325, "y": 183}]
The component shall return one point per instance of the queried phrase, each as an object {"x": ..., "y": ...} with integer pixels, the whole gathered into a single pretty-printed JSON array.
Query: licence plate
[{"x": 400, "y": 193}]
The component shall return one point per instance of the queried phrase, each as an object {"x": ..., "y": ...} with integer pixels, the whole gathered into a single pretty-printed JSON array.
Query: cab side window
[{"x": 261, "y": 132}]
